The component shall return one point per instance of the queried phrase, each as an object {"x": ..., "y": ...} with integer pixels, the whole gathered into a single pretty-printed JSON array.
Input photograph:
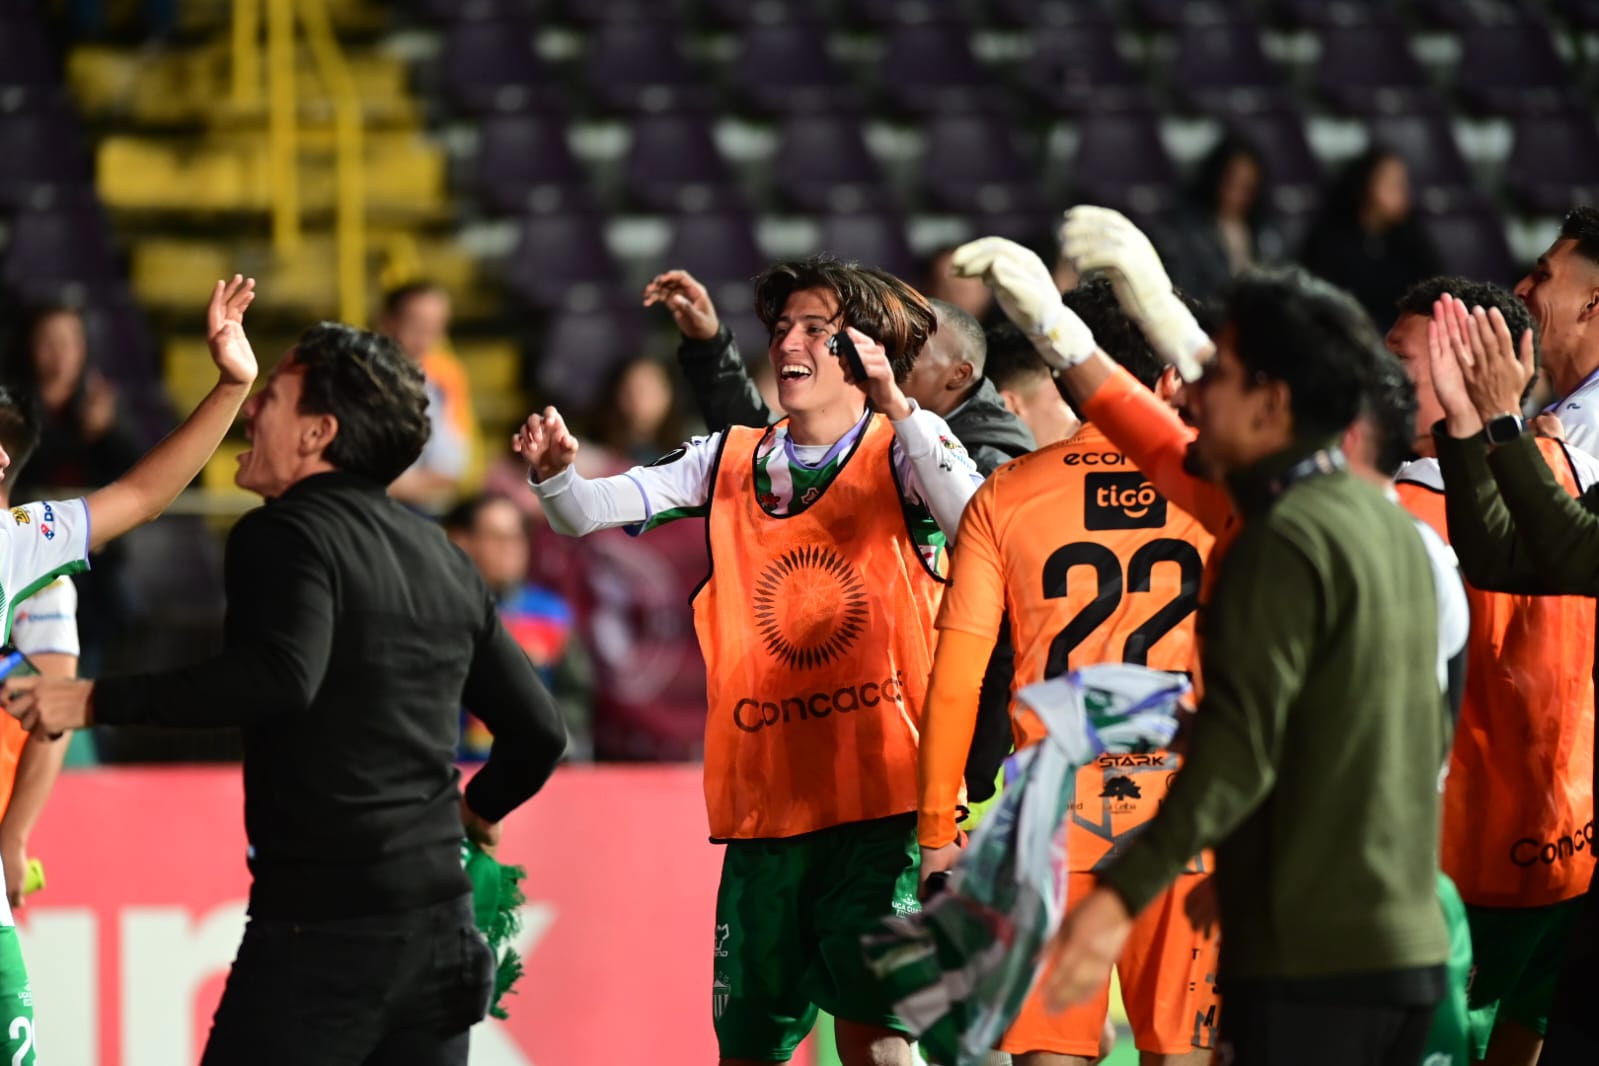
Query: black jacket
[
  {"x": 355, "y": 633},
  {"x": 992, "y": 436}
]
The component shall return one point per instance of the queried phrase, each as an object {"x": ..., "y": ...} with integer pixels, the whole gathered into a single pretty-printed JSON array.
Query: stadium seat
[
  {"x": 1033, "y": 14},
  {"x": 1513, "y": 69},
  {"x": 1074, "y": 69},
  {"x": 972, "y": 165},
  {"x": 785, "y": 66},
  {"x": 490, "y": 65},
  {"x": 673, "y": 165},
  {"x": 929, "y": 68},
  {"x": 523, "y": 163},
  {"x": 40, "y": 148},
  {"x": 1174, "y": 13},
  {"x": 1221, "y": 67},
  {"x": 822, "y": 164},
  {"x": 638, "y": 66},
  {"x": 581, "y": 348},
  {"x": 26, "y": 55},
  {"x": 719, "y": 249},
  {"x": 1121, "y": 162},
  {"x": 1554, "y": 162},
  {"x": 876, "y": 240},
  {"x": 1473, "y": 243},
  {"x": 560, "y": 257},
  {"x": 1426, "y": 140},
  {"x": 1340, "y": 13},
  {"x": 48, "y": 252},
  {"x": 1369, "y": 68},
  {"x": 1294, "y": 175}
]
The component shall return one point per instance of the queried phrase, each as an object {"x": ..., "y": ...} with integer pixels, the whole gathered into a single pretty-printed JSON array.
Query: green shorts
[
  {"x": 1450, "y": 1036},
  {"x": 1517, "y": 953},
  {"x": 790, "y": 915},
  {"x": 16, "y": 1002}
]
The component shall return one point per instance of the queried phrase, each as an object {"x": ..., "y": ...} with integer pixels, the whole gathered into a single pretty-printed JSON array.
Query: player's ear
[
  {"x": 1011, "y": 402},
  {"x": 318, "y": 434},
  {"x": 1168, "y": 384}
]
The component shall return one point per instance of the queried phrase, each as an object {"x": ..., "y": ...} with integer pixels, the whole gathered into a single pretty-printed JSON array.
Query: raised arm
[
  {"x": 154, "y": 481},
  {"x": 709, "y": 354}
]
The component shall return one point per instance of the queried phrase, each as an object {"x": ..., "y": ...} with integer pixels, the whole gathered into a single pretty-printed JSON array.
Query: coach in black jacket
[
  {"x": 947, "y": 380},
  {"x": 355, "y": 633}
]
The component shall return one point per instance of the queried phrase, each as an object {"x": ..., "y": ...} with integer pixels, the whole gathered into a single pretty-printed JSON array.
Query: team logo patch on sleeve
[
  {"x": 20, "y": 516},
  {"x": 1121, "y": 501}
]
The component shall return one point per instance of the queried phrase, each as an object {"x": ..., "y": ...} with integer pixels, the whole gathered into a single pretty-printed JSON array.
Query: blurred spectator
[
  {"x": 85, "y": 443},
  {"x": 417, "y": 316},
  {"x": 1222, "y": 228},
  {"x": 492, "y": 530},
  {"x": 636, "y": 416},
  {"x": 1366, "y": 239},
  {"x": 968, "y": 294},
  {"x": 1026, "y": 386}
]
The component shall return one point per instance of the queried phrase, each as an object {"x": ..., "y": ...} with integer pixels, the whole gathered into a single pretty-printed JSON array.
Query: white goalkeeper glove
[
  {"x": 1097, "y": 238},
  {"x": 1027, "y": 294}
]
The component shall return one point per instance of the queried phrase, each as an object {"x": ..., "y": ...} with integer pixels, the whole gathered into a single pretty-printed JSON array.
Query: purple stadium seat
[
  {"x": 760, "y": 12},
  {"x": 1029, "y": 14},
  {"x": 1173, "y": 13},
  {"x": 1370, "y": 68},
  {"x": 720, "y": 250},
  {"x": 27, "y": 57},
  {"x": 1220, "y": 66},
  {"x": 1338, "y": 13},
  {"x": 673, "y": 165},
  {"x": 472, "y": 10},
  {"x": 1554, "y": 162},
  {"x": 665, "y": 13},
  {"x": 581, "y": 348},
  {"x": 1466, "y": 14},
  {"x": 523, "y": 163},
  {"x": 823, "y": 164},
  {"x": 562, "y": 258},
  {"x": 929, "y": 68},
  {"x": 1472, "y": 243},
  {"x": 637, "y": 66},
  {"x": 1121, "y": 162},
  {"x": 1514, "y": 68},
  {"x": 785, "y": 66},
  {"x": 491, "y": 66},
  {"x": 121, "y": 341},
  {"x": 875, "y": 240},
  {"x": 40, "y": 151},
  {"x": 50, "y": 251},
  {"x": 972, "y": 165},
  {"x": 1077, "y": 69}
]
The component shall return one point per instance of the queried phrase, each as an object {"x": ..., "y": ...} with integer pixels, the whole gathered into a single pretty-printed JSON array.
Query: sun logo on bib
[{"x": 810, "y": 606}]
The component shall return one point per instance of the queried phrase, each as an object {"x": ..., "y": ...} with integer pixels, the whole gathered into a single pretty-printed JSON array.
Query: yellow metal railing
[{"x": 283, "y": 130}]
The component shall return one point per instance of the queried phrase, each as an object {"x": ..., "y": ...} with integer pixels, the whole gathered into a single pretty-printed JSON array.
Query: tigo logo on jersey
[{"x": 1121, "y": 501}]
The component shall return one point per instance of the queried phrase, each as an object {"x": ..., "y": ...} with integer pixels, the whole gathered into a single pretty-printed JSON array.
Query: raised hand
[
  {"x": 1495, "y": 374},
  {"x": 230, "y": 348},
  {"x": 545, "y": 444},
  {"x": 1097, "y": 238},
  {"x": 688, "y": 301},
  {"x": 1026, "y": 292}
]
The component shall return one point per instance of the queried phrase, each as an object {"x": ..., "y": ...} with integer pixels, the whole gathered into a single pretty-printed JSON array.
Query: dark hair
[
  {"x": 604, "y": 427},
  {"x": 873, "y": 301},
  {"x": 1012, "y": 357},
  {"x": 19, "y": 426},
  {"x": 1205, "y": 185},
  {"x": 1117, "y": 335},
  {"x": 1346, "y": 196},
  {"x": 1581, "y": 224},
  {"x": 1419, "y": 298},
  {"x": 1389, "y": 406},
  {"x": 395, "y": 299},
  {"x": 1291, "y": 326},
  {"x": 20, "y": 367},
  {"x": 377, "y": 395},
  {"x": 462, "y": 518},
  {"x": 972, "y": 344}
]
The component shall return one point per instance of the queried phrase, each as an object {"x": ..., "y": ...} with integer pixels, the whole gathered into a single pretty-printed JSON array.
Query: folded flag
[
  {"x": 496, "y": 896},
  {"x": 960, "y": 970}
]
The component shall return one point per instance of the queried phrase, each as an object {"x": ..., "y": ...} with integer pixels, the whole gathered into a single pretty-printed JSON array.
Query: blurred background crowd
[{"x": 492, "y": 182}]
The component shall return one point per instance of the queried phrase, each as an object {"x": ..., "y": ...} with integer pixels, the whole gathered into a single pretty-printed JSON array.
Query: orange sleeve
[
  {"x": 948, "y": 721},
  {"x": 974, "y": 599},
  {"x": 1149, "y": 433}
]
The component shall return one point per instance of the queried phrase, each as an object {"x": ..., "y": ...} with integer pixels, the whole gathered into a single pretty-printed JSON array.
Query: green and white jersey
[
  {"x": 39, "y": 542},
  {"x": 788, "y": 477}
]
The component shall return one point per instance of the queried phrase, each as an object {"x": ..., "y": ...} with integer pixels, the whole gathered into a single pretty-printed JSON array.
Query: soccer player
[
  {"x": 40, "y": 542},
  {"x": 1529, "y": 675},
  {"x": 1026, "y": 385},
  {"x": 1093, "y": 566},
  {"x": 1562, "y": 294},
  {"x": 1354, "y": 952},
  {"x": 826, "y": 535}
]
